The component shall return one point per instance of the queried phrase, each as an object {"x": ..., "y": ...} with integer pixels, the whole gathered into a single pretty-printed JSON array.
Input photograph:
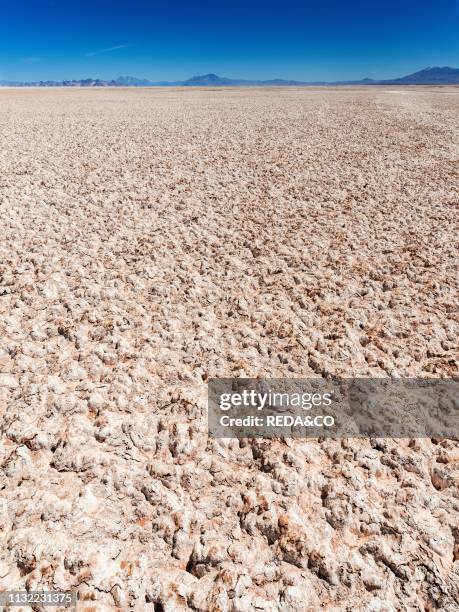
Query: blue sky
[{"x": 175, "y": 39}]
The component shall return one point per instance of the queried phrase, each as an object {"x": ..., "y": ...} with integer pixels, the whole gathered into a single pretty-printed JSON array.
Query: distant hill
[
  {"x": 212, "y": 79},
  {"x": 205, "y": 80},
  {"x": 129, "y": 81},
  {"x": 428, "y": 76}
]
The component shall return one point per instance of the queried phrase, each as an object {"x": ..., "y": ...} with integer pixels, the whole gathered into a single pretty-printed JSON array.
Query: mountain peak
[
  {"x": 130, "y": 81},
  {"x": 208, "y": 79},
  {"x": 432, "y": 75}
]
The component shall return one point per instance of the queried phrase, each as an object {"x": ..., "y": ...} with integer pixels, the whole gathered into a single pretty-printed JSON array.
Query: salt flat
[{"x": 154, "y": 238}]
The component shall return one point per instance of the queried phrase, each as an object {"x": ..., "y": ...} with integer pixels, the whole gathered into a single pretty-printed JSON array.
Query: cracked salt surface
[{"x": 152, "y": 239}]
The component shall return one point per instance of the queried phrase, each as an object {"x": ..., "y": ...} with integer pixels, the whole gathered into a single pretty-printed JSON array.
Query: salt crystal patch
[{"x": 8, "y": 381}]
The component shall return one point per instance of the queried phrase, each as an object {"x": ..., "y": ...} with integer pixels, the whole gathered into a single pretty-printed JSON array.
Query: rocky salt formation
[{"x": 154, "y": 239}]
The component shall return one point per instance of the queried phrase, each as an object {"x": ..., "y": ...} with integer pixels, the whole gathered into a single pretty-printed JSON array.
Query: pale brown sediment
[{"x": 153, "y": 238}]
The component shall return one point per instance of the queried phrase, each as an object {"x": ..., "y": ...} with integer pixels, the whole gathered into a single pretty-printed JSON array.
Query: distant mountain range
[{"x": 429, "y": 76}]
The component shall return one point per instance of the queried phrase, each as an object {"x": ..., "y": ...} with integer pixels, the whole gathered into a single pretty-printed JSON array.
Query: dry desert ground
[{"x": 154, "y": 238}]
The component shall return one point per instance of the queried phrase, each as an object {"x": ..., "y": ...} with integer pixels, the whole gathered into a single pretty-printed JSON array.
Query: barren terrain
[{"x": 151, "y": 239}]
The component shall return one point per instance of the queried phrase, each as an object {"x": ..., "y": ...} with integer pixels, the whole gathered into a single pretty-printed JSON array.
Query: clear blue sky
[{"x": 175, "y": 39}]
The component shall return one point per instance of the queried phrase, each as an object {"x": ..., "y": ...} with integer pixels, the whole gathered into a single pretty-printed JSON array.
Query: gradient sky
[{"x": 175, "y": 39}]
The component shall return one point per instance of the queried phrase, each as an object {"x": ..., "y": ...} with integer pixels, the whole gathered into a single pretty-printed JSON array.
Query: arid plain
[{"x": 153, "y": 238}]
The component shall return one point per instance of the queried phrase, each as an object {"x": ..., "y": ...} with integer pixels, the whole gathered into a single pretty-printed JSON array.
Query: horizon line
[{"x": 232, "y": 81}]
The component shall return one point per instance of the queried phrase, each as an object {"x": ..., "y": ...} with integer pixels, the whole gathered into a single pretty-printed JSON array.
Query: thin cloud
[{"x": 108, "y": 50}]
